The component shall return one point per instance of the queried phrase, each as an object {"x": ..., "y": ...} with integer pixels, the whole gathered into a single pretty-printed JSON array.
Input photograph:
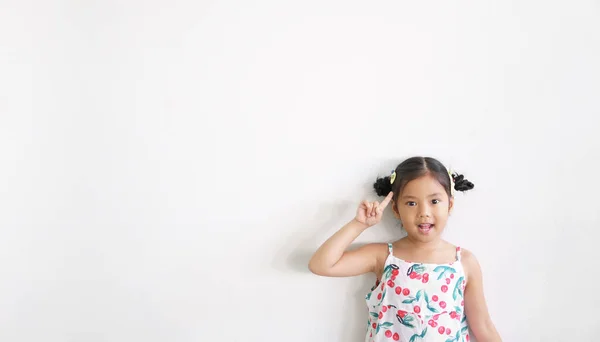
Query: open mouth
[{"x": 425, "y": 228}]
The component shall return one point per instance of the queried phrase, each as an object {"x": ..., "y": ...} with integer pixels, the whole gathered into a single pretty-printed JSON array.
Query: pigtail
[
  {"x": 383, "y": 186},
  {"x": 461, "y": 183}
]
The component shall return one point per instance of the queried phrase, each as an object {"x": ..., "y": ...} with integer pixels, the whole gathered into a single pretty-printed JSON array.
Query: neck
[{"x": 427, "y": 246}]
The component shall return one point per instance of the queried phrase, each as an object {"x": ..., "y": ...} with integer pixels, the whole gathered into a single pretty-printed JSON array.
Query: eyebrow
[{"x": 432, "y": 195}]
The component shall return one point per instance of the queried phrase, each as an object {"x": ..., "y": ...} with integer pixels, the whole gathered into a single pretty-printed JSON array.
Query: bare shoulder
[
  {"x": 467, "y": 256},
  {"x": 470, "y": 263},
  {"x": 379, "y": 250}
]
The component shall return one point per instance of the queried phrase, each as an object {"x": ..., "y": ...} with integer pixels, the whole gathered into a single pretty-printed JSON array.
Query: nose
[{"x": 425, "y": 212}]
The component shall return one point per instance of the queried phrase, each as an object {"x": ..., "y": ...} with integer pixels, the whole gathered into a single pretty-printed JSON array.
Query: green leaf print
[
  {"x": 374, "y": 314},
  {"x": 419, "y": 268},
  {"x": 387, "y": 324},
  {"x": 464, "y": 319},
  {"x": 458, "y": 309},
  {"x": 419, "y": 294},
  {"x": 406, "y": 321},
  {"x": 387, "y": 272},
  {"x": 432, "y": 309},
  {"x": 464, "y": 330},
  {"x": 443, "y": 269},
  {"x": 408, "y": 325},
  {"x": 455, "y": 338},
  {"x": 426, "y": 297},
  {"x": 421, "y": 336},
  {"x": 457, "y": 288},
  {"x": 410, "y": 300}
]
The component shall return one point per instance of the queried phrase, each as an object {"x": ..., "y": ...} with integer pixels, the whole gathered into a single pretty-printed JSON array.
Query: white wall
[{"x": 167, "y": 168}]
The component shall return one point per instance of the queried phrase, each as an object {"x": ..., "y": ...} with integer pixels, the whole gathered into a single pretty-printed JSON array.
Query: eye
[
  {"x": 411, "y": 204},
  {"x": 435, "y": 201}
]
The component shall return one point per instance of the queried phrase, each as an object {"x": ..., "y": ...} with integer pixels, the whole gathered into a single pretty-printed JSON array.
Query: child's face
[{"x": 423, "y": 207}]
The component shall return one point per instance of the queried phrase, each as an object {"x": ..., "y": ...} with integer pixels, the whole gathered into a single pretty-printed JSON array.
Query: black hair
[{"x": 415, "y": 167}]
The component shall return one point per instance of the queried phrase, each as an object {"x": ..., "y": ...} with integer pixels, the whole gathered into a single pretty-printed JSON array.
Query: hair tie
[{"x": 451, "y": 182}]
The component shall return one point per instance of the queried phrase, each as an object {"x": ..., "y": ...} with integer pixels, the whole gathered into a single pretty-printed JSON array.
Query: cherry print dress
[{"x": 418, "y": 302}]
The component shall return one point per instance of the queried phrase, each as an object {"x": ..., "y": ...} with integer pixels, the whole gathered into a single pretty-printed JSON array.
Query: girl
[{"x": 427, "y": 289}]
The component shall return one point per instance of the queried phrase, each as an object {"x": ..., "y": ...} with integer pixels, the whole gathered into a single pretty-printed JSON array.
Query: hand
[{"x": 370, "y": 213}]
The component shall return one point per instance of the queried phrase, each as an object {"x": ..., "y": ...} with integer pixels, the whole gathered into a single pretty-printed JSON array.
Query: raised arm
[{"x": 333, "y": 260}]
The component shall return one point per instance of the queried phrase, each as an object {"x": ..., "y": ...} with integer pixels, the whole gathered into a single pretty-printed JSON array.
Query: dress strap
[
  {"x": 458, "y": 253},
  {"x": 390, "y": 249}
]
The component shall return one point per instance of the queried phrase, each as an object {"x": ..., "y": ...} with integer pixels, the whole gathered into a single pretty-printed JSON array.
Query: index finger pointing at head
[{"x": 386, "y": 201}]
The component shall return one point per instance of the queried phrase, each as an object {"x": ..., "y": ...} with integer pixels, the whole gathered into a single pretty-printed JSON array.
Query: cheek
[{"x": 404, "y": 210}]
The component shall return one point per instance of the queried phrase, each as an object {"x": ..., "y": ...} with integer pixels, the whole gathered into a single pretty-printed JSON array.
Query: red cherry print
[
  {"x": 398, "y": 290},
  {"x": 393, "y": 277},
  {"x": 441, "y": 329},
  {"x": 382, "y": 286},
  {"x": 434, "y": 298},
  {"x": 401, "y": 313},
  {"x": 390, "y": 283},
  {"x": 430, "y": 322},
  {"x": 396, "y": 337},
  {"x": 388, "y": 333},
  {"x": 406, "y": 292},
  {"x": 468, "y": 337},
  {"x": 395, "y": 272},
  {"x": 380, "y": 315},
  {"x": 374, "y": 325},
  {"x": 419, "y": 277},
  {"x": 417, "y": 309},
  {"x": 425, "y": 280},
  {"x": 444, "y": 288},
  {"x": 412, "y": 275},
  {"x": 435, "y": 317},
  {"x": 453, "y": 314},
  {"x": 462, "y": 303},
  {"x": 379, "y": 296},
  {"x": 448, "y": 331},
  {"x": 442, "y": 304},
  {"x": 452, "y": 275},
  {"x": 426, "y": 275},
  {"x": 384, "y": 309},
  {"x": 448, "y": 281}
]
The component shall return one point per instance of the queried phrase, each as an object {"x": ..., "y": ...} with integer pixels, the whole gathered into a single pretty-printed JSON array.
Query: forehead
[{"x": 423, "y": 187}]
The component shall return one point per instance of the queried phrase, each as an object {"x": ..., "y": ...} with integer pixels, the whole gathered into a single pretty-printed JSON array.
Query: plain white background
[{"x": 168, "y": 167}]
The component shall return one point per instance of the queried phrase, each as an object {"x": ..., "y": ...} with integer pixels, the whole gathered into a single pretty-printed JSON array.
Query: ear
[
  {"x": 395, "y": 210},
  {"x": 450, "y": 205}
]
